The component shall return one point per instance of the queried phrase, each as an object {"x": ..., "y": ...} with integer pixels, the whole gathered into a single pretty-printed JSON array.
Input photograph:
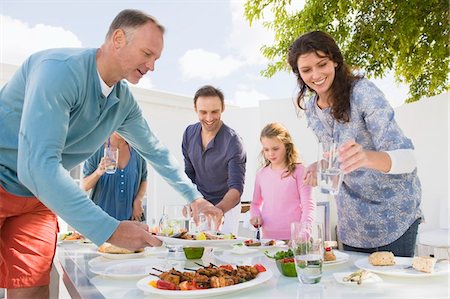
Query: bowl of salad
[{"x": 285, "y": 262}]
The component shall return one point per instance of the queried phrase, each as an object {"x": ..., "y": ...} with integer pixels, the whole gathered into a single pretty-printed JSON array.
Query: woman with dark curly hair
[{"x": 378, "y": 204}]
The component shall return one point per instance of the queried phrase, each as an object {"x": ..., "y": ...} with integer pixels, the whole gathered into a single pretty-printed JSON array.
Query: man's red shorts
[{"x": 28, "y": 232}]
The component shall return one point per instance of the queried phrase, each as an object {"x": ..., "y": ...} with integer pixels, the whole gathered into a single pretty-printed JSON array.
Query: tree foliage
[{"x": 410, "y": 37}]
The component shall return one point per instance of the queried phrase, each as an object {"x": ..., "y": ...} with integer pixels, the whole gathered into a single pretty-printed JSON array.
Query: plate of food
[
  {"x": 202, "y": 239},
  {"x": 264, "y": 244},
  {"x": 357, "y": 278},
  {"x": 386, "y": 263},
  {"x": 171, "y": 287},
  {"x": 71, "y": 237},
  {"x": 110, "y": 251},
  {"x": 335, "y": 257},
  {"x": 127, "y": 269}
]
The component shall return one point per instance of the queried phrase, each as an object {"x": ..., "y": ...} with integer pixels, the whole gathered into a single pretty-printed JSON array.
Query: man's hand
[
  {"x": 214, "y": 214},
  {"x": 133, "y": 235}
]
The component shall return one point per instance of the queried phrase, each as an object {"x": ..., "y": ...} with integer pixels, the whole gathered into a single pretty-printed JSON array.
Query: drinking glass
[
  {"x": 175, "y": 219},
  {"x": 329, "y": 175},
  {"x": 111, "y": 156},
  {"x": 307, "y": 246}
]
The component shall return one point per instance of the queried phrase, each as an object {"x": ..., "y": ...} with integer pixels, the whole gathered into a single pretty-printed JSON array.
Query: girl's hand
[
  {"x": 352, "y": 156},
  {"x": 310, "y": 177},
  {"x": 256, "y": 221}
]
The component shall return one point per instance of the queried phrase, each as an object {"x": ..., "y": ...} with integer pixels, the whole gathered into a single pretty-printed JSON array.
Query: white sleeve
[{"x": 402, "y": 161}]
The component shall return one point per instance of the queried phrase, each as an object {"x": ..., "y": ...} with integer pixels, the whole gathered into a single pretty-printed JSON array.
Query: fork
[{"x": 258, "y": 233}]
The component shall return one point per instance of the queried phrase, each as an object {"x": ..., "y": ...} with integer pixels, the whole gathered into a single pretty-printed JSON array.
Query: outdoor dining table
[{"x": 72, "y": 262}]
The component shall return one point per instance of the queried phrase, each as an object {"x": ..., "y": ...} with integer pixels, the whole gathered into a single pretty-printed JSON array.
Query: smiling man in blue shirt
[
  {"x": 57, "y": 110},
  {"x": 214, "y": 158}
]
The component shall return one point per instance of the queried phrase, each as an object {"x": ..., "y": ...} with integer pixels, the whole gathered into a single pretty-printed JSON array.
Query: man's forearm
[{"x": 230, "y": 200}]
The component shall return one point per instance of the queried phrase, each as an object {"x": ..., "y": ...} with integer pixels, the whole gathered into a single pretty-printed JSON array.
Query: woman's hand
[
  {"x": 101, "y": 169},
  {"x": 352, "y": 156},
  {"x": 310, "y": 177},
  {"x": 137, "y": 210}
]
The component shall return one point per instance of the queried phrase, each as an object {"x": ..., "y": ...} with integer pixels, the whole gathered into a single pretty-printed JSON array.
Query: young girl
[{"x": 280, "y": 197}]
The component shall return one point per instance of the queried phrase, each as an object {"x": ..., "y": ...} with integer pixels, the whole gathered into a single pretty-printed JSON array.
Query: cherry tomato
[
  {"x": 287, "y": 260},
  {"x": 227, "y": 267},
  {"x": 165, "y": 285},
  {"x": 260, "y": 268}
]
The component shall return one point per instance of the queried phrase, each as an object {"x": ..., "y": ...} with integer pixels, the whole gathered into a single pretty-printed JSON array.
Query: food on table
[
  {"x": 329, "y": 255},
  {"x": 206, "y": 277},
  {"x": 251, "y": 242},
  {"x": 203, "y": 236},
  {"x": 357, "y": 276},
  {"x": 382, "y": 258},
  {"x": 424, "y": 263},
  {"x": 109, "y": 248},
  {"x": 71, "y": 236},
  {"x": 193, "y": 253}
]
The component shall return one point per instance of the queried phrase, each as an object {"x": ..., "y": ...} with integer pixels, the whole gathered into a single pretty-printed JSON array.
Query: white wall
[{"x": 426, "y": 122}]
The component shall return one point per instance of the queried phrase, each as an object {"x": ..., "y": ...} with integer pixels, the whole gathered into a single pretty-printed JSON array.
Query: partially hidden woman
[
  {"x": 378, "y": 205},
  {"x": 119, "y": 194}
]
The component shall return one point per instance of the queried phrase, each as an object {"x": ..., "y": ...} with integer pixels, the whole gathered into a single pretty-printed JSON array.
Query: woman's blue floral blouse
[{"x": 374, "y": 209}]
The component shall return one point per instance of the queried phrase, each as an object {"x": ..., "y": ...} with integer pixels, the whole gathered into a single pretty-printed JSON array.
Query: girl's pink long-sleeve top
[{"x": 281, "y": 201}]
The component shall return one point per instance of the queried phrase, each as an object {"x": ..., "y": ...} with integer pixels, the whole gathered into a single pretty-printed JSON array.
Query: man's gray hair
[{"x": 130, "y": 19}]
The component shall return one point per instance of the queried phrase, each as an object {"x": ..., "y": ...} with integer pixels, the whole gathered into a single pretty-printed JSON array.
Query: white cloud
[
  {"x": 246, "y": 41},
  {"x": 19, "y": 40},
  {"x": 199, "y": 63},
  {"x": 248, "y": 98}
]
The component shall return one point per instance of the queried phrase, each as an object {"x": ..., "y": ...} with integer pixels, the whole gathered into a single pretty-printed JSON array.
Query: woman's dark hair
[{"x": 322, "y": 44}]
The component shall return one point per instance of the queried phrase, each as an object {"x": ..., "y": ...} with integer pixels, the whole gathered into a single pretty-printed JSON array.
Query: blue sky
[{"x": 206, "y": 42}]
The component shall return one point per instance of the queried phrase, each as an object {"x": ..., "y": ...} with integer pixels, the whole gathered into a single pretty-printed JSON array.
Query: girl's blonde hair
[{"x": 277, "y": 130}]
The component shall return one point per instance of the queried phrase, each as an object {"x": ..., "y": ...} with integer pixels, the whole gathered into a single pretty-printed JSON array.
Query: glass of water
[
  {"x": 307, "y": 246},
  {"x": 111, "y": 155},
  {"x": 329, "y": 175},
  {"x": 174, "y": 220}
]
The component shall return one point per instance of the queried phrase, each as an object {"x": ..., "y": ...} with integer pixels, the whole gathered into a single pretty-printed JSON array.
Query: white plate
[
  {"x": 196, "y": 243},
  {"x": 144, "y": 286},
  {"x": 398, "y": 269},
  {"x": 238, "y": 259},
  {"x": 371, "y": 279},
  {"x": 128, "y": 269},
  {"x": 278, "y": 244},
  {"x": 122, "y": 256},
  {"x": 341, "y": 257},
  {"x": 242, "y": 250}
]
